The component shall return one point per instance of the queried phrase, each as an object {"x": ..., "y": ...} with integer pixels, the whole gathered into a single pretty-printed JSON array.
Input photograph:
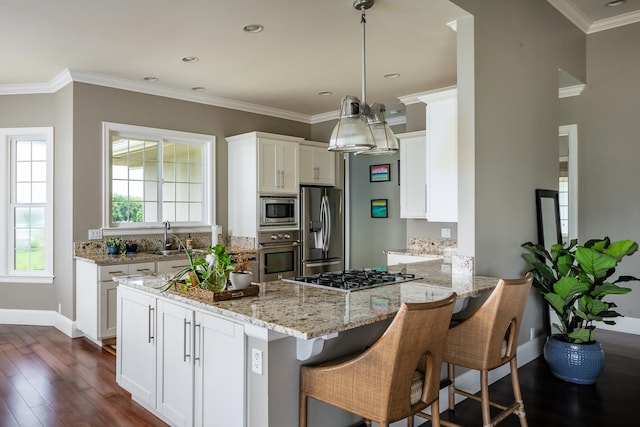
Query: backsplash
[
  {"x": 154, "y": 243},
  {"x": 432, "y": 246}
]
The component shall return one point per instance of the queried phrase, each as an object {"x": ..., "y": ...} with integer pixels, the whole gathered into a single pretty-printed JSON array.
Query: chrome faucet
[{"x": 166, "y": 243}]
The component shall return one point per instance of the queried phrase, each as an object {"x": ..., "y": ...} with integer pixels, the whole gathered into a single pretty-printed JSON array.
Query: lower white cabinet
[
  {"x": 175, "y": 363},
  {"x": 96, "y": 296},
  {"x": 136, "y": 354},
  {"x": 198, "y": 361},
  {"x": 219, "y": 372}
]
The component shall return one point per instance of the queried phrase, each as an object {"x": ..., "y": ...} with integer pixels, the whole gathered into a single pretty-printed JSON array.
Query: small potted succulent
[
  {"x": 241, "y": 276},
  {"x": 115, "y": 245}
]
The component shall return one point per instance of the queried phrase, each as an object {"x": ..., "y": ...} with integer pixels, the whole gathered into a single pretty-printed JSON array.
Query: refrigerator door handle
[{"x": 326, "y": 223}]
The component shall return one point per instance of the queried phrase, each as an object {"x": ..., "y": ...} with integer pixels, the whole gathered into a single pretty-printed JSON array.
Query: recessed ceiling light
[
  {"x": 325, "y": 93},
  {"x": 253, "y": 28},
  {"x": 198, "y": 89},
  {"x": 615, "y": 3},
  {"x": 190, "y": 59},
  {"x": 391, "y": 75},
  {"x": 151, "y": 79}
]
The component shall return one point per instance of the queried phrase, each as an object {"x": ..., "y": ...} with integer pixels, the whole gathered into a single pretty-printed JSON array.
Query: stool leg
[
  {"x": 435, "y": 413},
  {"x": 484, "y": 396},
  {"x": 452, "y": 386},
  {"x": 515, "y": 382},
  {"x": 303, "y": 410},
  {"x": 410, "y": 421}
]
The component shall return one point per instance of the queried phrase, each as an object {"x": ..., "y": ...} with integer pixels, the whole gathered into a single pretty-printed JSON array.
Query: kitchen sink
[{"x": 167, "y": 252}]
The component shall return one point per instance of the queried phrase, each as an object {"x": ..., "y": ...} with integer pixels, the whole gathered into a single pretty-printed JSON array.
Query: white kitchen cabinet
[
  {"x": 317, "y": 164},
  {"x": 185, "y": 365},
  {"x": 136, "y": 355},
  {"x": 255, "y": 163},
  {"x": 219, "y": 375},
  {"x": 429, "y": 174},
  {"x": 96, "y": 296},
  {"x": 172, "y": 266},
  {"x": 277, "y": 166},
  {"x": 175, "y": 363}
]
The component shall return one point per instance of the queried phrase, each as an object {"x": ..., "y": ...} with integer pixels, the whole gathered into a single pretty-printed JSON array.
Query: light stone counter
[{"x": 308, "y": 312}]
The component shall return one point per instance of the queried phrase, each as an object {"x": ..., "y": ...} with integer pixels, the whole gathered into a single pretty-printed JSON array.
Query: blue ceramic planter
[
  {"x": 112, "y": 250},
  {"x": 576, "y": 363}
]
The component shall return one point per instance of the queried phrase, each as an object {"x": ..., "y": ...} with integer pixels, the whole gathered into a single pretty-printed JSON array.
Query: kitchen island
[{"x": 236, "y": 362}]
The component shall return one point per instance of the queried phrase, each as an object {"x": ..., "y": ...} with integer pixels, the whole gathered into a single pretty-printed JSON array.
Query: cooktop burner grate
[{"x": 353, "y": 280}]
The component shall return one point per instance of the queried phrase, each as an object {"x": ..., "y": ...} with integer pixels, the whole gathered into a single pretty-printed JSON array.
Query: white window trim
[
  {"x": 209, "y": 216},
  {"x": 7, "y": 274}
]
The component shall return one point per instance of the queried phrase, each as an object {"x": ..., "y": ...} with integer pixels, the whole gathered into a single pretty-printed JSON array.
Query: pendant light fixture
[{"x": 360, "y": 128}]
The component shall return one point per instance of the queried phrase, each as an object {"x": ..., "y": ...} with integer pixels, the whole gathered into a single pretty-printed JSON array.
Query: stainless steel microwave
[{"x": 278, "y": 211}]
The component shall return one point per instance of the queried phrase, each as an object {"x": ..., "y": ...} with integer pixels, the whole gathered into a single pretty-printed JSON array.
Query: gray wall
[
  {"x": 27, "y": 111},
  {"x": 517, "y": 48},
  {"x": 608, "y": 148}
]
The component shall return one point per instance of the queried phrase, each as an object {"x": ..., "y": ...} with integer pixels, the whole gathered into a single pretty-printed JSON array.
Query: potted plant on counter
[
  {"x": 209, "y": 272},
  {"x": 242, "y": 276},
  {"x": 574, "y": 279},
  {"x": 115, "y": 245}
]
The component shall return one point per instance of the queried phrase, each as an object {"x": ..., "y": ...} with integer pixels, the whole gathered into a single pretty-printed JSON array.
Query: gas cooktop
[{"x": 353, "y": 280}]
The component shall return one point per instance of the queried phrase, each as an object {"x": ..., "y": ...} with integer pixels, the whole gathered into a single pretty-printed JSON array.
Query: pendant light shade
[
  {"x": 351, "y": 133},
  {"x": 383, "y": 137},
  {"x": 361, "y": 129}
]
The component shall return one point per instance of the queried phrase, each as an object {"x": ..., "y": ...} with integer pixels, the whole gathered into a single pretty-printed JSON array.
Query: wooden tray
[{"x": 205, "y": 295}]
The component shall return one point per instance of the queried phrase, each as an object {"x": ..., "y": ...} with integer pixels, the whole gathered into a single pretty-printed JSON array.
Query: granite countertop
[
  {"x": 414, "y": 252},
  {"x": 129, "y": 258},
  {"x": 309, "y": 312}
]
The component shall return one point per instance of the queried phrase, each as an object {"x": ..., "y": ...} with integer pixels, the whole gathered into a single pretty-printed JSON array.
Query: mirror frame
[{"x": 544, "y": 222}]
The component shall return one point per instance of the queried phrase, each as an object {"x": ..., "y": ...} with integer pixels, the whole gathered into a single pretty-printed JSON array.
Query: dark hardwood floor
[
  {"x": 49, "y": 379},
  {"x": 549, "y": 402}
]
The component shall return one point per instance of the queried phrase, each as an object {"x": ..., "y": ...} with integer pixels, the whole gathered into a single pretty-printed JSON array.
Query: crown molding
[
  {"x": 68, "y": 76},
  {"x": 614, "y": 22},
  {"x": 569, "y": 91},
  {"x": 572, "y": 13},
  {"x": 580, "y": 20}
]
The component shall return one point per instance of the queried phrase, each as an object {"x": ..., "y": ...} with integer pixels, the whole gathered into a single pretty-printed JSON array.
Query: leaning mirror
[{"x": 548, "y": 211}]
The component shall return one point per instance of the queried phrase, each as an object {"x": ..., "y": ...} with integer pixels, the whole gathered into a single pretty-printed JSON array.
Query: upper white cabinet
[
  {"x": 261, "y": 162},
  {"x": 317, "y": 164},
  {"x": 429, "y": 162}
]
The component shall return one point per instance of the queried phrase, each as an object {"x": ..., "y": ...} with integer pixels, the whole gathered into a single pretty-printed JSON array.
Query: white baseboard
[
  {"x": 628, "y": 325},
  {"x": 40, "y": 318}
]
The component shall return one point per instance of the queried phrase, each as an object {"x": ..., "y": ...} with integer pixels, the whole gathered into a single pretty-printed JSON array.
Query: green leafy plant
[
  {"x": 574, "y": 279},
  {"x": 202, "y": 270},
  {"x": 115, "y": 242}
]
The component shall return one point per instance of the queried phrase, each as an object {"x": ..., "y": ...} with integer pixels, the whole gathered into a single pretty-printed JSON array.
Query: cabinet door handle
[
  {"x": 184, "y": 340},
  {"x": 151, "y": 310},
  {"x": 116, "y": 272},
  {"x": 142, "y": 269},
  {"x": 198, "y": 343}
]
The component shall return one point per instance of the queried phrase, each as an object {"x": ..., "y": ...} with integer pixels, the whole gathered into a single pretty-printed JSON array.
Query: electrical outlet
[
  {"x": 95, "y": 233},
  {"x": 256, "y": 361},
  {"x": 445, "y": 233},
  {"x": 532, "y": 333}
]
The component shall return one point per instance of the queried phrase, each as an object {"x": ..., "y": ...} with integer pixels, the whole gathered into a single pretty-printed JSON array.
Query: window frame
[
  {"x": 143, "y": 132},
  {"x": 8, "y": 274}
]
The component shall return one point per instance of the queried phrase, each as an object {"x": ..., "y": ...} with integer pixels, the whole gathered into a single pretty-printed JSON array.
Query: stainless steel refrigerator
[{"x": 321, "y": 230}]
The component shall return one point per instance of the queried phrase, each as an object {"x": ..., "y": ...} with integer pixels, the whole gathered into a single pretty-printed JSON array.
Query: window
[
  {"x": 26, "y": 192},
  {"x": 156, "y": 175}
]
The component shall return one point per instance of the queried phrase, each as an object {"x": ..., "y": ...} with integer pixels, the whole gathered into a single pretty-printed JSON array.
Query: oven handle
[
  {"x": 320, "y": 264},
  {"x": 278, "y": 246}
]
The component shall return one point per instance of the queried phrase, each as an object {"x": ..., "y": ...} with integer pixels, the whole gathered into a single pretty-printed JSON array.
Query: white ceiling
[{"x": 306, "y": 47}]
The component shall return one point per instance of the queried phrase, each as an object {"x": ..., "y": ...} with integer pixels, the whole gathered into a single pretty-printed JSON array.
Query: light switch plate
[
  {"x": 95, "y": 233},
  {"x": 445, "y": 233}
]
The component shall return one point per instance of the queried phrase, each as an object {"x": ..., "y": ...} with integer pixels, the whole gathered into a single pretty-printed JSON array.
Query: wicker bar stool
[
  {"x": 378, "y": 383},
  {"x": 487, "y": 340}
]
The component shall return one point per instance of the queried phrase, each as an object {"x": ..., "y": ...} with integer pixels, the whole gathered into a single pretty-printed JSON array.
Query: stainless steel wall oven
[{"x": 279, "y": 253}]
